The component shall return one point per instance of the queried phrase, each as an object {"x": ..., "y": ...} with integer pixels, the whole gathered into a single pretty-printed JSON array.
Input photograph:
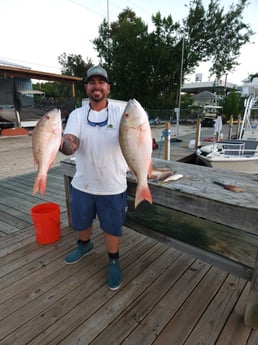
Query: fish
[
  {"x": 136, "y": 145},
  {"x": 230, "y": 187},
  {"x": 161, "y": 175},
  {"x": 46, "y": 140},
  {"x": 173, "y": 177}
]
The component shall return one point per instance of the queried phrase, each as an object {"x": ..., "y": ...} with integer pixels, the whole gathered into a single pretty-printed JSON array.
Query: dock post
[
  {"x": 197, "y": 133},
  {"x": 251, "y": 312},
  {"x": 167, "y": 136},
  {"x": 230, "y": 127}
]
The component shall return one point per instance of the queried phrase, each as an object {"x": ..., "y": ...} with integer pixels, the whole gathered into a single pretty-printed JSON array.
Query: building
[{"x": 218, "y": 87}]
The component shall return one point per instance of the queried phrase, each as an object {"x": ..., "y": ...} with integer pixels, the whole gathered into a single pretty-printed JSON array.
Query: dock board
[
  {"x": 219, "y": 226},
  {"x": 163, "y": 299}
]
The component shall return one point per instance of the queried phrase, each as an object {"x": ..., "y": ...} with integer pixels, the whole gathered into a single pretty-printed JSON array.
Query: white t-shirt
[{"x": 100, "y": 165}]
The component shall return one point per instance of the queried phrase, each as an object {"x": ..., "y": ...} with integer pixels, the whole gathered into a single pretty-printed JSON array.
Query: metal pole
[
  {"x": 108, "y": 12},
  {"x": 180, "y": 87},
  {"x": 167, "y": 136}
]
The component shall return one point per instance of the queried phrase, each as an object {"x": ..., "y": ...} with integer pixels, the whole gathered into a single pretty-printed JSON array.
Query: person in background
[{"x": 99, "y": 185}]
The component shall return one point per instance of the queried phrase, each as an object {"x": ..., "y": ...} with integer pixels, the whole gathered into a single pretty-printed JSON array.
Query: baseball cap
[{"x": 96, "y": 71}]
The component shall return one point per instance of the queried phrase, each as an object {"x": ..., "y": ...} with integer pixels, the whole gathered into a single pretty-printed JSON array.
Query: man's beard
[{"x": 97, "y": 98}]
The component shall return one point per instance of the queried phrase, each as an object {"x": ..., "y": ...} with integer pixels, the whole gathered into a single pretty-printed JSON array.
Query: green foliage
[
  {"x": 233, "y": 104},
  {"x": 74, "y": 65},
  {"x": 252, "y": 76},
  {"x": 216, "y": 36},
  {"x": 50, "y": 89},
  {"x": 147, "y": 65}
]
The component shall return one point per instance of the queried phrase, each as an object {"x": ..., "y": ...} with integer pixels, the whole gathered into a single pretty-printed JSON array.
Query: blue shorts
[{"x": 110, "y": 209}]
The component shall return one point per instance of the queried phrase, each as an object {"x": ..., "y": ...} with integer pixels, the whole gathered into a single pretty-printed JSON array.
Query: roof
[
  {"x": 204, "y": 94},
  {"x": 9, "y": 71},
  {"x": 218, "y": 87},
  {"x": 31, "y": 92}
]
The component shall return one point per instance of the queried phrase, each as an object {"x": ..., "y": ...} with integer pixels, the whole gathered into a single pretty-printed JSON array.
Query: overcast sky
[{"x": 34, "y": 33}]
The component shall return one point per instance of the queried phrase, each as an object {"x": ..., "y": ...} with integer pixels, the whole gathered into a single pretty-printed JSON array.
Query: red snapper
[
  {"x": 46, "y": 140},
  {"x": 136, "y": 144}
]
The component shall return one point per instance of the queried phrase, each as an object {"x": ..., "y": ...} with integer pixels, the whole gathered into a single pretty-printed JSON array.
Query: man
[{"x": 99, "y": 185}]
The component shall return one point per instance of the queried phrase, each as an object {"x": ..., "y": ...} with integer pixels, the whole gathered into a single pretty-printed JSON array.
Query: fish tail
[
  {"x": 150, "y": 170},
  {"x": 40, "y": 184},
  {"x": 142, "y": 193}
]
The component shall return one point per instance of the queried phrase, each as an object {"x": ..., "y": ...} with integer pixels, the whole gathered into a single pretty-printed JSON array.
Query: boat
[
  {"x": 210, "y": 113},
  {"x": 24, "y": 108},
  {"x": 239, "y": 154}
]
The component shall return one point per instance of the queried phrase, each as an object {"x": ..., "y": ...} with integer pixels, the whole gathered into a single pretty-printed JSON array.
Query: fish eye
[
  {"x": 48, "y": 117},
  {"x": 126, "y": 115}
]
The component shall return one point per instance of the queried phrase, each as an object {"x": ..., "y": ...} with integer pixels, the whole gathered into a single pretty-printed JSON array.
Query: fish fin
[
  {"x": 150, "y": 169},
  {"x": 141, "y": 194},
  {"x": 40, "y": 184}
]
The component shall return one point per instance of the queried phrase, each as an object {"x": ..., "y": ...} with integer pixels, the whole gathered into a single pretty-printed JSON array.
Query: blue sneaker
[
  {"x": 78, "y": 253},
  {"x": 114, "y": 274}
]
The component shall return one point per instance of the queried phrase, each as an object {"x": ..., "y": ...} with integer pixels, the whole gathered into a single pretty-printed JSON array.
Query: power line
[
  {"x": 8, "y": 59},
  {"x": 141, "y": 8},
  {"x": 86, "y": 8}
]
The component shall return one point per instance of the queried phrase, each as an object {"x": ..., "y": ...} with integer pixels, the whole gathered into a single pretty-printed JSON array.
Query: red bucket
[{"x": 46, "y": 220}]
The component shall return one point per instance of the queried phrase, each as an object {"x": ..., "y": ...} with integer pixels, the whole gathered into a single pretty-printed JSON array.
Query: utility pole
[
  {"x": 180, "y": 87},
  {"x": 108, "y": 12}
]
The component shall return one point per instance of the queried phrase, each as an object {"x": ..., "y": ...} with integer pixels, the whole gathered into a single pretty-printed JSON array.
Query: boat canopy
[{"x": 31, "y": 92}]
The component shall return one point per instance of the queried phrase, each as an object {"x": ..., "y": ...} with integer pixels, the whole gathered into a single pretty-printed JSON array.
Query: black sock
[
  {"x": 113, "y": 256},
  {"x": 84, "y": 243}
]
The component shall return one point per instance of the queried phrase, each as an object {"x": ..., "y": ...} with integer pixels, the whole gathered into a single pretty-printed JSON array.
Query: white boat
[
  {"x": 239, "y": 154},
  {"x": 24, "y": 108}
]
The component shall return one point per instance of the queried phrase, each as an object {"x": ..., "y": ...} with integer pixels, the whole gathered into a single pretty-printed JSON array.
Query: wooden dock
[{"x": 166, "y": 298}]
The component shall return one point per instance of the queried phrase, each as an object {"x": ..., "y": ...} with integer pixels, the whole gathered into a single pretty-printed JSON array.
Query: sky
[{"x": 35, "y": 33}]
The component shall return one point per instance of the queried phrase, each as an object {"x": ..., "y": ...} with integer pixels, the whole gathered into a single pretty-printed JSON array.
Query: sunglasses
[{"x": 97, "y": 124}]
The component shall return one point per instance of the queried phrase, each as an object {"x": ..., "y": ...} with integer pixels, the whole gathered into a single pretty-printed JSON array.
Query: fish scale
[
  {"x": 136, "y": 144},
  {"x": 46, "y": 140}
]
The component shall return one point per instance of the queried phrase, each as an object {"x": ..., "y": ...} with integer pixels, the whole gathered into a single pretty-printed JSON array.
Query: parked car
[
  {"x": 155, "y": 121},
  {"x": 208, "y": 122}
]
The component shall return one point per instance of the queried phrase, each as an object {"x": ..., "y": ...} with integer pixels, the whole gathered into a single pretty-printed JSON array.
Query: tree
[
  {"x": 252, "y": 76},
  {"x": 233, "y": 104},
  {"x": 147, "y": 65},
  {"x": 215, "y": 36},
  {"x": 74, "y": 65},
  {"x": 144, "y": 64}
]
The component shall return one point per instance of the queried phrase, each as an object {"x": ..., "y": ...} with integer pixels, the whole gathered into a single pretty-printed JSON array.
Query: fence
[{"x": 187, "y": 116}]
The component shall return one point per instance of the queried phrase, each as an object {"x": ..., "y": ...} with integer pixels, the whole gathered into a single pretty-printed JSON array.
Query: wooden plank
[
  {"x": 26, "y": 182},
  {"x": 14, "y": 217},
  {"x": 231, "y": 250},
  {"x": 53, "y": 276},
  {"x": 196, "y": 194},
  {"x": 35, "y": 269},
  {"x": 227, "y": 265},
  {"x": 15, "y": 239},
  {"x": 233, "y": 215},
  {"x": 251, "y": 313},
  {"x": 209, "y": 326},
  {"x": 235, "y": 331},
  {"x": 64, "y": 297},
  {"x": 236, "y": 245},
  {"x": 25, "y": 193},
  {"x": 187, "y": 271},
  {"x": 150, "y": 328},
  {"x": 183, "y": 321},
  {"x": 87, "y": 329},
  {"x": 253, "y": 340}
]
